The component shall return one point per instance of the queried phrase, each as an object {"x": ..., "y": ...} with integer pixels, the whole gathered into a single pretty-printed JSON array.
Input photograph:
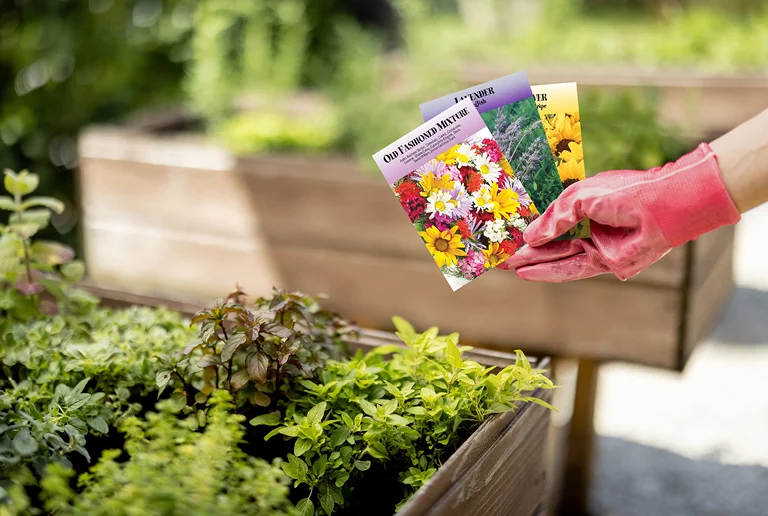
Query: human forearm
[{"x": 743, "y": 158}]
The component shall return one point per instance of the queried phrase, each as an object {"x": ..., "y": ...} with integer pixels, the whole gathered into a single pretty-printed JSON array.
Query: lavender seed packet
[{"x": 508, "y": 108}]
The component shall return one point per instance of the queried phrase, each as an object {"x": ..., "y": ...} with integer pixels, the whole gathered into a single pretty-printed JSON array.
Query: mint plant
[
  {"x": 407, "y": 408},
  {"x": 256, "y": 353},
  {"x": 172, "y": 469},
  {"x": 29, "y": 268}
]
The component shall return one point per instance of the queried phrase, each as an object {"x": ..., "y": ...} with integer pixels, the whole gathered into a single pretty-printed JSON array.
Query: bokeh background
[{"x": 236, "y": 70}]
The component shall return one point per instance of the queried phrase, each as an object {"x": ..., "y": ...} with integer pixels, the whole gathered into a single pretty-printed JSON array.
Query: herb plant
[
  {"x": 30, "y": 268},
  {"x": 173, "y": 469},
  {"x": 406, "y": 408},
  {"x": 254, "y": 353}
]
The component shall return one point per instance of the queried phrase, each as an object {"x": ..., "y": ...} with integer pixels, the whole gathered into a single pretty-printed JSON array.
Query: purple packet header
[
  {"x": 450, "y": 127},
  {"x": 489, "y": 95}
]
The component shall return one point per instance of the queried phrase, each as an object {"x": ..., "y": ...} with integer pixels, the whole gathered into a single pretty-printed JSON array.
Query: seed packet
[
  {"x": 509, "y": 110},
  {"x": 459, "y": 192},
  {"x": 558, "y": 106}
]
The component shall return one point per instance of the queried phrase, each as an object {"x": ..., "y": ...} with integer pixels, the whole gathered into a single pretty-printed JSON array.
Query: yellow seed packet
[{"x": 558, "y": 106}]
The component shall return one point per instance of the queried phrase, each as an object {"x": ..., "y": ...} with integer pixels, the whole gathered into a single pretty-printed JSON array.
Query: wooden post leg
[{"x": 574, "y": 497}]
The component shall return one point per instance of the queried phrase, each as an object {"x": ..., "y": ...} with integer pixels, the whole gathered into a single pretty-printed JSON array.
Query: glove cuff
[{"x": 695, "y": 200}]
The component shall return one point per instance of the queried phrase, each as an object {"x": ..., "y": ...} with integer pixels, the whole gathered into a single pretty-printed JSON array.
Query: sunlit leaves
[{"x": 393, "y": 406}]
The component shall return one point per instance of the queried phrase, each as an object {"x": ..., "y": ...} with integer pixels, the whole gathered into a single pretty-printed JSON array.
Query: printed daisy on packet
[{"x": 459, "y": 192}]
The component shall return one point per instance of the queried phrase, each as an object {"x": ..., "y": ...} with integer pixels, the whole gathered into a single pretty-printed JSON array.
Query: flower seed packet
[
  {"x": 459, "y": 192},
  {"x": 558, "y": 106},
  {"x": 509, "y": 110}
]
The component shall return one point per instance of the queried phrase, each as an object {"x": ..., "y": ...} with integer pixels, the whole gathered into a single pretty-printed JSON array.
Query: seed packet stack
[
  {"x": 509, "y": 110},
  {"x": 459, "y": 192},
  {"x": 486, "y": 162},
  {"x": 558, "y": 106}
]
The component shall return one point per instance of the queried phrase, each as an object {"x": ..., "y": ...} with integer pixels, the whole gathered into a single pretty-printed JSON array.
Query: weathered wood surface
[
  {"x": 175, "y": 216},
  {"x": 499, "y": 470}
]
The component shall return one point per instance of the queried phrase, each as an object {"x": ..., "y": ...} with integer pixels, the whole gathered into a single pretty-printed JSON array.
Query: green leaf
[
  {"x": 122, "y": 394},
  {"x": 235, "y": 341},
  {"x": 386, "y": 349},
  {"x": 453, "y": 355},
  {"x": 271, "y": 419},
  {"x": 404, "y": 329},
  {"x": 37, "y": 217},
  {"x": 315, "y": 414},
  {"x": 46, "y": 202},
  {"x": 260, "y": 399},
  {"x": 98, "y": 424},
  {"x": 368, "y": 407},
  {"x": 362, "y": 465},
  {"x": 326, "y": 501},
  {"x": 24, "y": 443},
  {"x": 301, "y": 446},
  {"x": 257, "y": 367},
  {"x": 178, "y": 401},
  {"x": 305, "y": 507},
  {"x": 498, "y": 408},
  {"x": 22, "y": 183},
  {"x": 73, "y": 271},
  {"x": 318, "y": 468},
  {"x": 240, "y": 379},
  {"x": 6, "y": 203},
  {"x": 25, "y": 230},
  {"x": 339, "y": 436},
  {"x": 290, "y": 431},
  {"x": 162, "y": 378},
  {"x": 51, "y": 253}
]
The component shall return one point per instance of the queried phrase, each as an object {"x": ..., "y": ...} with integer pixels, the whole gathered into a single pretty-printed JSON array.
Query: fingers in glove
[
  {"x": 576, "y": 267},
  {"x": 548, "y": 252},
  {"x": 579, "y": 201}
]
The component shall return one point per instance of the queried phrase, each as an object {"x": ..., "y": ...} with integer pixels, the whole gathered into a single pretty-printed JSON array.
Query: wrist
[{"x": 693, "y": 198}]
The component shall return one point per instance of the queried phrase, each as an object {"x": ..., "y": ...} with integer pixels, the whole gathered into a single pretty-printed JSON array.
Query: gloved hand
[{"x": 636, "y": 217}]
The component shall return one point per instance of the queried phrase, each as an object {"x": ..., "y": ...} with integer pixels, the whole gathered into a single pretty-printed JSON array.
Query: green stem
[{"x": 24, "y": 244}]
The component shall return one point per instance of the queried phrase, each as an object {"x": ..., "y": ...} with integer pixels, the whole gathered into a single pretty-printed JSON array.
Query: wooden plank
[
  {"x": 596, "y": 319},
  {"x": 707, "y": 301},
  {"x": 169, "y": 264},
  {"x": 585, "y": 319},
  {"x": 477, "y": 480}
]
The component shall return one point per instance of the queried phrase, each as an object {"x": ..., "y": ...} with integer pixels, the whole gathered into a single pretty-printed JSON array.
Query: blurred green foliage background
[{"x": 360, "y": 66}]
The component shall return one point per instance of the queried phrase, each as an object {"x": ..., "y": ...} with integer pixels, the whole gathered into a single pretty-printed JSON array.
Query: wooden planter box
[
  {"x": 499, "y": 470},
  {"x": 173, "y": 216}
]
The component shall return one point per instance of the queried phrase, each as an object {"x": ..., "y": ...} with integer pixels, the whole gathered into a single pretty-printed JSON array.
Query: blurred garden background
[
  {"x": 65, "y": 64},
  {"x": 345, "y": 77}
]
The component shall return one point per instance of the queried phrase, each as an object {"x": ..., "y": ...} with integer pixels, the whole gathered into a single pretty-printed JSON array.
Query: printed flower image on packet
[
  {"x": 558, "y": 106},
  {"x": 509, "y": 110},
  {"x": 459, "y": 192}
]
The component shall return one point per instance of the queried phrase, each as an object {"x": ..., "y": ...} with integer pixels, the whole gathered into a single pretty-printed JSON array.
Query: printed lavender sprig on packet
[
  {"x": 459, "y": 192},
  {"x": 509, "y": 110}
]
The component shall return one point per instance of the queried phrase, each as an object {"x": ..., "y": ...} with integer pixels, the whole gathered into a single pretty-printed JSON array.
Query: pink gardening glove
[{"x": 636, "y": 217}]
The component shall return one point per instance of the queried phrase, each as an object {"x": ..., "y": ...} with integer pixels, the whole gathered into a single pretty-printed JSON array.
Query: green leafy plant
[
  {"x": 253, "y": 353},
  {"x": 173, "y": 469},
  {"x": 39, "y": 428},
  {"x": 29, "y": 268},
  {"x": 406, "y": 407}
]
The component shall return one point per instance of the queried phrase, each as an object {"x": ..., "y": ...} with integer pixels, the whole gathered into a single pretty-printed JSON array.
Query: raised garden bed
[
  {"x": 499, "y": 470},
  {"x": 152, "y": 210}
]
